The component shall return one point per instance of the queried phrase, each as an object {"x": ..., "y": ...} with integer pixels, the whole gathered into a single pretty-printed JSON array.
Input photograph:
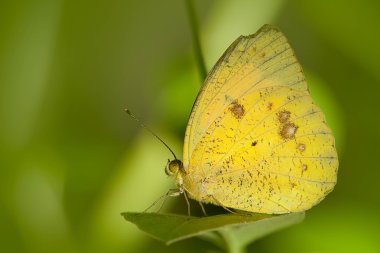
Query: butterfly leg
[
  {"x": 224, "y": 207},
  {"x": 203, "y": 208},
  {"x": 187, "y": 202},
  {"x": 170, "y": 193}
]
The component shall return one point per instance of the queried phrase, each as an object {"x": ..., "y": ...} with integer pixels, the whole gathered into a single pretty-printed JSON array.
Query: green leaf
[{"x": 230, "y": 231}]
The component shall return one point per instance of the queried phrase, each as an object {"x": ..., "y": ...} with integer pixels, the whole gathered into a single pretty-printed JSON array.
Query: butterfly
[{"x": 255, "y": 140}]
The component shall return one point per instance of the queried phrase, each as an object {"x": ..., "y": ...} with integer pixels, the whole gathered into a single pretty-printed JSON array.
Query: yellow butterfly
[{"x": 255, "y": 141}]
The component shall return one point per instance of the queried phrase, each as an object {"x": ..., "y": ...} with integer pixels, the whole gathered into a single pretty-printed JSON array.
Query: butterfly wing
[{"x": 255, "y": 140}]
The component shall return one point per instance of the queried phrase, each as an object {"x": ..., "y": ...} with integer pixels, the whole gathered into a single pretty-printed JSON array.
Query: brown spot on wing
[
  {"x": 269, "y": 106},
  {"x": 283, "y": 116},
  {"x": 301, "y": 147},
  {"x": 288, "y": 131},
  {"x": 237, "y": 109},
  {"x": 254, "y": 143}
]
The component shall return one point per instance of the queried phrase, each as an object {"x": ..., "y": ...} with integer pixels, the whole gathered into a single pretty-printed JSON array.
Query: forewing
[{"x": 251, "y": 63}]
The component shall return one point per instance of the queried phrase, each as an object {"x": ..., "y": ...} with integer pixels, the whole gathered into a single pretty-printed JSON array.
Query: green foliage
[{"x": 230, "y": 231}]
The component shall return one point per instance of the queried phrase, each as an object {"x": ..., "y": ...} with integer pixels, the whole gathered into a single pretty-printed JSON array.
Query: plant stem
[
  {"x": 196, "y": 39},
  {"x": 232, "y": 244}
]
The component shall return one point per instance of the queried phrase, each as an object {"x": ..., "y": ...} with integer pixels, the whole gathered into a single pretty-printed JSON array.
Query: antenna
[{"x": 149, "y": 130}]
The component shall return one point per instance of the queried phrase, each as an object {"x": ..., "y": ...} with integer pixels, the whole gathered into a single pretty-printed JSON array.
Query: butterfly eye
[
  {"x": 171, "y": 168},
  {"x": 167, "y": 171}
]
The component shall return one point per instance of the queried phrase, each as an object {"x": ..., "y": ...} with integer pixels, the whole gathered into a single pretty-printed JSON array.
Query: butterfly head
[{"x": 174, "y": 167}]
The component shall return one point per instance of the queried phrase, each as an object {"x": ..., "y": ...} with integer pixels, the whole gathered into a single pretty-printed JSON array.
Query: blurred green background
[{"x": 71, "y": 160}]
